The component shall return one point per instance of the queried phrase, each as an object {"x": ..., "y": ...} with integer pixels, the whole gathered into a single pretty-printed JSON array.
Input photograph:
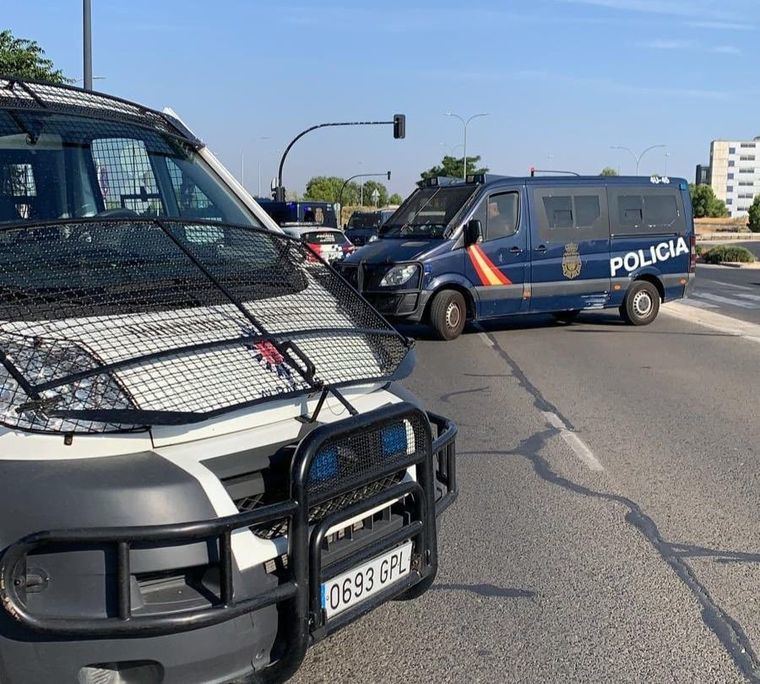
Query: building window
[
  {"x": 730, "y": 176},
  {"x": 746, "y": 170},
  {"x": 732, "y": 163},
  {"x": 729, "y": 201},
  {"x": 732, "y": 150},
  {"x": 748, "y": 145},
  {"x": 747, "y": 157}
]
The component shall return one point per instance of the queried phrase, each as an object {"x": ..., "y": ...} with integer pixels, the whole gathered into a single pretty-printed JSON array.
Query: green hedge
[{"x": 723, "y": 253}]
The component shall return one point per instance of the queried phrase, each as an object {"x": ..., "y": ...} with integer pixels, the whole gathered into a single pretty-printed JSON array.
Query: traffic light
[
  {"x": 399, "y": 126},
  {"x": 389, "y": 175}
]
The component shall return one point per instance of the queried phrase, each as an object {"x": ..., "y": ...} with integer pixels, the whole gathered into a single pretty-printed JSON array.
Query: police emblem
[{"x": 571, "y": 261}]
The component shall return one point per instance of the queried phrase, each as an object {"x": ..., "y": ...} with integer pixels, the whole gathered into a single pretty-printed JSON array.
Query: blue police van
[{"x": 494, "y": 246}]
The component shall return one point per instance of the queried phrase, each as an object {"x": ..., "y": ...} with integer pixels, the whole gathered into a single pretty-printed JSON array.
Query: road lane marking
[
  {"x": 738, "y": 287},
  {"x": 724, "y": 300},
  {"x": 574, "y": 442},
  {"x": 484, "y": 337}
]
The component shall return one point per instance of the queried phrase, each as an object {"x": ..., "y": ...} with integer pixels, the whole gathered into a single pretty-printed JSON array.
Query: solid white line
[{"x": 574, "y": 442}]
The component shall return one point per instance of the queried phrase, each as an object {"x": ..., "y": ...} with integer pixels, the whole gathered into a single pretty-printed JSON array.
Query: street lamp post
[
  {"x": 637, "y": 158},
  {"x": 87, "y": 43},
  {"x": 465, "y": 123}
]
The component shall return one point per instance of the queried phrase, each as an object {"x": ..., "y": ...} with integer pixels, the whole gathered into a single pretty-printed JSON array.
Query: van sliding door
[{"x": 570, "y": 245}]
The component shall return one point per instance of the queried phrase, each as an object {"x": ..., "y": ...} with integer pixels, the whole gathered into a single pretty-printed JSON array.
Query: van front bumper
[
  {"x": 224, "y": 640},
  {"x": 408, "y": 302}
]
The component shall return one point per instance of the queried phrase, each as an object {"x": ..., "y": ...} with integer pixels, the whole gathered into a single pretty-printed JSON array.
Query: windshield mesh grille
[
  {"x": 49, "y": 97},
  {"x": 108, "y": 325}
]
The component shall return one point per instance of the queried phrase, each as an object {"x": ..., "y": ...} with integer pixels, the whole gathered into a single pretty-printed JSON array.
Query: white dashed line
[
  {"x": 486, "y": 340},
  {"x": 574, "y": 442}
]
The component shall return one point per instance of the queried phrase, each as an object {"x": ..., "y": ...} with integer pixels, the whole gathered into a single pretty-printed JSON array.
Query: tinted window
[
  {"x": 572, "y": 215},
  {"x": 651, "y": 211},
  {"x": 559, "y": 211},
  {"x": 502, "y": 214}
]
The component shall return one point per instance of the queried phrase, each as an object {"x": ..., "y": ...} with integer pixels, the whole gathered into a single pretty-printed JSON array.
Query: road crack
[{"x": 727, "y": 630}]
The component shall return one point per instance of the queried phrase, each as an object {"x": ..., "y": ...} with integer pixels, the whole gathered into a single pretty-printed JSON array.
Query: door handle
[
  {"x": 541, "y": 248},
  {"x": 515, "y": 250}
]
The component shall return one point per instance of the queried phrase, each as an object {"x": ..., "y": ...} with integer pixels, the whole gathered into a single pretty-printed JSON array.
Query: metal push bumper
[{"x": 298, "y": 594}]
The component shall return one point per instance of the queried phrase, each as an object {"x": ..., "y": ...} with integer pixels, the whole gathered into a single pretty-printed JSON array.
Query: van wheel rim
[
  {"x": 642, "y": 304},
  {"x": 453, "y": 315}
]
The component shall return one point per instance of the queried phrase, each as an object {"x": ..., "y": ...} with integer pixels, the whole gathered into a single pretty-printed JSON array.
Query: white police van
[
  {"x": 206, "y": 462},
  {"x": 496, "y": 246}
]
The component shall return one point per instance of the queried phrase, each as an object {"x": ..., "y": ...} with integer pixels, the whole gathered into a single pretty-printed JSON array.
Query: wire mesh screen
[
  {"x": 113, "y": 324},
  {"x": 20, "y": 95}
]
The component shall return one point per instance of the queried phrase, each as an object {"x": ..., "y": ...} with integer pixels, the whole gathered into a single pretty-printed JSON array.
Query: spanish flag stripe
[
  {"x": 495, "y": 276},
  {"x": 478, "y": 268},
  {"x": 486, "y": 273}
]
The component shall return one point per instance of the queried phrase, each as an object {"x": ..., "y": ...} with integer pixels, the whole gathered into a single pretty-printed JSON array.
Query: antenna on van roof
[{"x": 534, "y": 171}]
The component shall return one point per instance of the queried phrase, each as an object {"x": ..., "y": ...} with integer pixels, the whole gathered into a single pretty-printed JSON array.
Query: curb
[{"x": 725, "y": 324}]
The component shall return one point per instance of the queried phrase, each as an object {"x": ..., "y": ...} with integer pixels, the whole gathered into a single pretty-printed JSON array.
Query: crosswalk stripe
[
  {"x": 724, "y": 300},
  {"x": 699, "y": 304}
]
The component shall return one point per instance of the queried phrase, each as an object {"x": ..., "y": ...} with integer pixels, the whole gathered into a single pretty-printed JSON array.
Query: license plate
[{"x": 357, "y": 585}]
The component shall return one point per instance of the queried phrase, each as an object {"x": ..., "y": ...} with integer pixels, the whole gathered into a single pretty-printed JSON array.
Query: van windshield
[
  {"x": 59, "y": 166},
  {"x": 428, "y": 212}
]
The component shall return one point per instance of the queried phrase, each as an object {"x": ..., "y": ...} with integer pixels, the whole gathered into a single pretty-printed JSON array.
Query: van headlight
[{"x": 398, "y": 275}]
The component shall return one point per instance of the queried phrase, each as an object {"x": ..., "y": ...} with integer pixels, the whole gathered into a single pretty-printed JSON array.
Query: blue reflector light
[
  {"x": 325, "y": 464},
  {"x": 394, "y": 440}
]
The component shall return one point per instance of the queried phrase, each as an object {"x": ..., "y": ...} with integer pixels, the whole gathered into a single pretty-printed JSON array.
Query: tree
[
  {"x": 26, "y": 59},
  {"x": 395, "y": 198},
  {"x": 705, "y": 203},
  {"x": 609, "y": 171},
  {"x": 754, "y": 215},
  {"x": 326, "y": 189},
  {"x": 369, "y": 187},
  {"x": 452, "y": 167}
]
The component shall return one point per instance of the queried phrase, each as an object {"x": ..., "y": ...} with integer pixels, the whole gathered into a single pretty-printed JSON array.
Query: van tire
[
  {"x": 448, "y": 314},
  {"x": 641, "y": 304},
  {"x": 566, "y": 316}
]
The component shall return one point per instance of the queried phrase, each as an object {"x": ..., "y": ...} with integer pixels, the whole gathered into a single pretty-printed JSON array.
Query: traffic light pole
[
  {"x": 387, "y": 174},
  {"x": 399, "y": 131}
]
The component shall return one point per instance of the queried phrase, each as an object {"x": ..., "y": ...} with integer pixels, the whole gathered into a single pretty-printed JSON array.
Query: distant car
[
  {"x": 318, "y": 213},
  {"x": 330, "y": 243},
  {"x": 364, "y": 225}
]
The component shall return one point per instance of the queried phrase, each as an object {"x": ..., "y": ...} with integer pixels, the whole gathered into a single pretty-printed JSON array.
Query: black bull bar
[{"x": 299, "y": 591}]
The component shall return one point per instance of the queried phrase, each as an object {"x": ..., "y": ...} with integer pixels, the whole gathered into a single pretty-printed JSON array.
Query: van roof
[
  {"x": 584, "y": 180},
  {"x": 22, "y": 95}
]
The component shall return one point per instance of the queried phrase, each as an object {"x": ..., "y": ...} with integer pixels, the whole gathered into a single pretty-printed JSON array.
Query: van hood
[
  {"x": 164, "y": 322},
  {"x": 391, "y": 250}
]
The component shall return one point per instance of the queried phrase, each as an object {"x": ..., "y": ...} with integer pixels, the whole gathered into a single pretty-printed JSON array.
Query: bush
[
  {"x": 700, "y": 250},
  {"x": 723, "y": 253},
  {"x": 754, "y": 216}
]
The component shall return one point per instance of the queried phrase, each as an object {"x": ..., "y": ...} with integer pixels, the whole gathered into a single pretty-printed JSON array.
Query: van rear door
[{"x": 570, "y": 244}]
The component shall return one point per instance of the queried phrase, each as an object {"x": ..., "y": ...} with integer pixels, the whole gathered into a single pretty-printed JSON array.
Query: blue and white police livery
[{"x": 495, "y": 246}]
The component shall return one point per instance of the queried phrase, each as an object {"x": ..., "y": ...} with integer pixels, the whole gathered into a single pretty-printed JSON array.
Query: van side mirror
[{"x": 472, "y": 232}]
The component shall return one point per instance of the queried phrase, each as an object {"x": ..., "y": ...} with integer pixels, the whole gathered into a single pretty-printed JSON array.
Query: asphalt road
[
  {"x": 727, "y": 290},
  {"x": 607, "y": 526}
]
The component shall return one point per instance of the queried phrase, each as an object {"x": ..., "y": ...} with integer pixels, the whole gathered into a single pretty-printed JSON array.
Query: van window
[
  {"x": 649, "y": 212},
  {"x": 501, "y": 215},
  {"x": 571, "y": 215},
  {"x": 125, "y": 176}
]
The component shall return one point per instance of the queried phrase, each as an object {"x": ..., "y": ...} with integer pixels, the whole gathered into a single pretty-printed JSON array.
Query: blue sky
[{"x": 563, "y": 80}]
